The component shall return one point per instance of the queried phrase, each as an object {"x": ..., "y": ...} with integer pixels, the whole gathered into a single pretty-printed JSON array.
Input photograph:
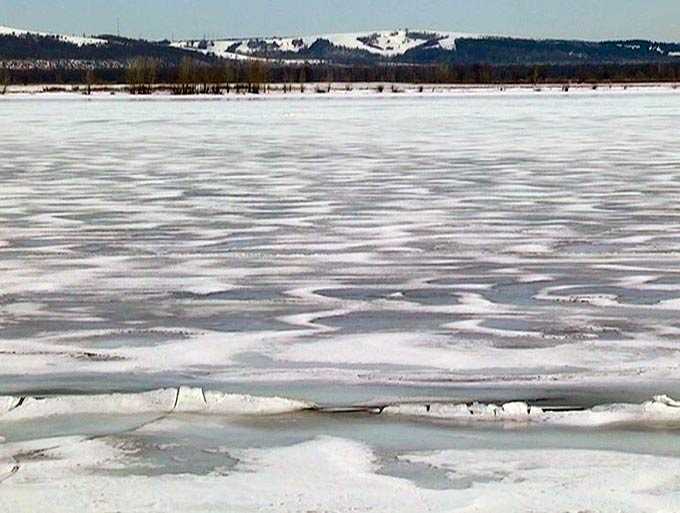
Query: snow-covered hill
[
  {"x": 74, "y": 40},
  {"x": 381, "y": 43},
  {"x": 420, "y": 47},
  {"x": 432, "y": 47}
]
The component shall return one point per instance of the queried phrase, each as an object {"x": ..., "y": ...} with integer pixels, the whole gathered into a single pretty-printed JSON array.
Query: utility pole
[{"x": 118, "y": 26}]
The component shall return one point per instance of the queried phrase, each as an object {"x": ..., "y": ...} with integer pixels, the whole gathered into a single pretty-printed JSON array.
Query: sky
[{"x": 157, "y": 19}]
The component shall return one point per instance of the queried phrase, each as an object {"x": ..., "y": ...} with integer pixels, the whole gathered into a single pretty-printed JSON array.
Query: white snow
[
  {"x": 159, "y": 401},
  {"x": 383, "y": 43}
]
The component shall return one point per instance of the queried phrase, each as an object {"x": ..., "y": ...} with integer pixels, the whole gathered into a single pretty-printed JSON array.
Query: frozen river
[{"x": 347, "y": 251}]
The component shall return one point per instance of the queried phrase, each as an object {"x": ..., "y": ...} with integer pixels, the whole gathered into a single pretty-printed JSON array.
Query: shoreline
[{"x": 335, "y": 90}]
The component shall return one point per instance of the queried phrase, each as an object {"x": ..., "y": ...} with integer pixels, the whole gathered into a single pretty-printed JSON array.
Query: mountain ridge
[
  {"x": 401, "y": 46},
  {"x": 428, "y": 46}
]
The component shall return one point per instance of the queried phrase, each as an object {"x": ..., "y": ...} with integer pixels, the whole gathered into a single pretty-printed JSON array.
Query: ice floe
[
  {"x": 196, "y": 400},
  {"x": 159, "y": 401},
  {"x": 165, "y": 401},
  {"x": 662, "y": 410}
]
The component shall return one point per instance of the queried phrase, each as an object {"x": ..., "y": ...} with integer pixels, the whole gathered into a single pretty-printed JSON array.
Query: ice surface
[
  {"x": 522, "y": 481},
  {"x": 500, "y": 273},
  {"x": 334, "y": 474},
  {"x": 445, "y": 248}
]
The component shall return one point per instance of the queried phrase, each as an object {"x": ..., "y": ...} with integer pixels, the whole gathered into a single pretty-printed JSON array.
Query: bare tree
[
  {"x": 90, "y": 79},
  {"x": 187, "y": 77},
  {"x": 141, "y": 75},
  {"x": 150, "y": 73},
  {"x": 257, "y": 76},
  {"x": 134, "y": 75},
  {"x": 5, "y": 79},
  {"x": 302, "y": 79},
  {"x": 229, "y": 76}
]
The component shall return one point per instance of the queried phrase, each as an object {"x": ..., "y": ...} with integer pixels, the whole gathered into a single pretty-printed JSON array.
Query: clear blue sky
[{"x": 583, "y": 19}]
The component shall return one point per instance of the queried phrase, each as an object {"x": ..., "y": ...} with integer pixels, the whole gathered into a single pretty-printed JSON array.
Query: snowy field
[{"x": 482, "y": 278}]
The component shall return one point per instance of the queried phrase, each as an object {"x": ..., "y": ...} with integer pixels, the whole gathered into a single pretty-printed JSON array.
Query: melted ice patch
[
  {"x": 91, "y": 476},
  {"x": 529, "y": 480}
]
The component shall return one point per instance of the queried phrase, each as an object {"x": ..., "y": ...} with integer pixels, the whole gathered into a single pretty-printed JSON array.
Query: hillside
[
  {"x": 427, "y": 47},
  {"x": 26, "y": 49},
  {"x": 399, "y": 46},
  {"x": 402, "y": 55},
  {"x": 361, "y": 46}
]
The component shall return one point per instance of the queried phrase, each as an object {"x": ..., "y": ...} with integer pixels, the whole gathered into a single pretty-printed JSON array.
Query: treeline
[{"x": 191, "y": 76}]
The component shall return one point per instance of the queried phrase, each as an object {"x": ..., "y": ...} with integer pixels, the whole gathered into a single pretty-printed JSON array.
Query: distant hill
[
  {"x": 417, "y": 56},
  {"x": 381, "y": 47},
  {"x": 25, "y": 49},
  {"x": 428, "y": 47}
]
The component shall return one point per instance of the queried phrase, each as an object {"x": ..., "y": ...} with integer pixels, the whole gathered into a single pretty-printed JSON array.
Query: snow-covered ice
[
  {"x": 171, "y": 400},
  {"x": 331, "y": 474},
  {"x": 274, "y": 237},
  {"x": 194, "y": 294},
  {"x": 661, "y": 410}
]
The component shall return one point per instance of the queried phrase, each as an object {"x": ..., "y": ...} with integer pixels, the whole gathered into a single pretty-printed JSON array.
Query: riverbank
[{"x": 345, "y": 89}]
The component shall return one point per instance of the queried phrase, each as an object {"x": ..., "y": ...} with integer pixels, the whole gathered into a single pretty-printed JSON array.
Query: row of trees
[
  {"x": 195, "y": 77},
  {"x": 190, "y": 76}
]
